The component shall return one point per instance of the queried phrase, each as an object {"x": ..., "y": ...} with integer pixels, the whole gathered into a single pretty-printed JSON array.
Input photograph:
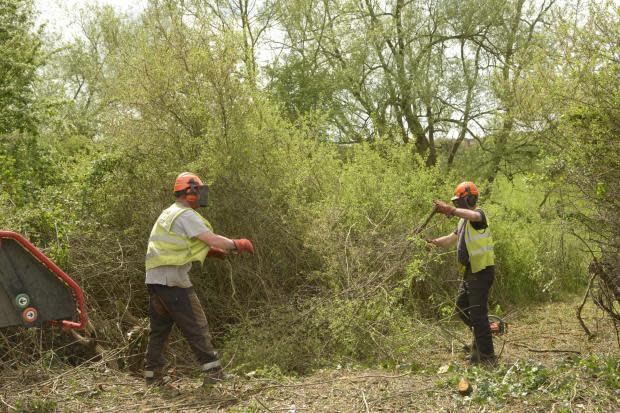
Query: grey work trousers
[
  {"x": 180, "y": 306},
  {"x": 472, "y": 306}
]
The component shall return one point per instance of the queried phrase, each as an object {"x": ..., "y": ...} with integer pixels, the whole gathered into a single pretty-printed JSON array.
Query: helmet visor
[
  {"x": 460, "y": 202},
  {"x": 203, "y": 195}
]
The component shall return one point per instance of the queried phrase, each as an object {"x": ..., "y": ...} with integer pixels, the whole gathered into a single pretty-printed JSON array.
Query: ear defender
[
  {"x": 470, "y": 198},
  {"x": 191, "y": 194}
]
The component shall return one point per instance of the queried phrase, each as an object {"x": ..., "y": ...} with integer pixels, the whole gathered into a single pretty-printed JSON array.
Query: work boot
[
  {"x": 153, "y": 378},
  {"x": 163, "y": 385},
  {"x": 215, "y": 376},
  {"x": 482, "y": 358},
  {"x": 471, "y": 348}
]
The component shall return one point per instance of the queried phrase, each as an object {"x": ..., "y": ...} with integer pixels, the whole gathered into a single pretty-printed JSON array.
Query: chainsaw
[{"x": 498, "y": 326}]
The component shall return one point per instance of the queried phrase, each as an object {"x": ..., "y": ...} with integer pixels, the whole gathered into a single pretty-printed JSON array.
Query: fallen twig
[
  {"x": 6, "y": 404},
  {"x": 263, "y": 404},
  {"x": 535, "y": 350},
  {"x": 365, "y": 402}
]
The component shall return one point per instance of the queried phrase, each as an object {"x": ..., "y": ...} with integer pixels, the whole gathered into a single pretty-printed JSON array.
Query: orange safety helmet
[
  {"x": 191, "y": 186},
  {"x": 186, "y": 180},
  {"x": 465, "y": 194}
]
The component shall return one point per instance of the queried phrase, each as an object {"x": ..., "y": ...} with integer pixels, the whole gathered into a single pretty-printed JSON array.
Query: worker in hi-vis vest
[
  {"x": 179, "y": 237},
  {"x": 476, "y": 262}
]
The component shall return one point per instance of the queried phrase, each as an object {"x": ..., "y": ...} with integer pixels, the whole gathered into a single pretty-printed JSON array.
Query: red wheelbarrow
[{"x": 34, "y": 290}]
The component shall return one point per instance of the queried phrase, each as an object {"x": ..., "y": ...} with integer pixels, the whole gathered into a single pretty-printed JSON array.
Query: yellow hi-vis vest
[
  {"x": 479, "y": 246},
  {"x": 166, "y": 247}
]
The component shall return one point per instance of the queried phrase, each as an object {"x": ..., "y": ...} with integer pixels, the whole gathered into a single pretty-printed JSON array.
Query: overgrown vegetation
[
  {"x": 326, "y": 156},
  {"x": 523, "y": 379}
]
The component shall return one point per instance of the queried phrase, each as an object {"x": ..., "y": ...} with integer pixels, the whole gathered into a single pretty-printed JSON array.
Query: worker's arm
[
  {"x": 216, "y": 241},
  {"x": 468, "y": 214},
  {"x": 444, "y": 241},
  {"x": 226, "y": 244},
  {"x": 449, "y": 211}
]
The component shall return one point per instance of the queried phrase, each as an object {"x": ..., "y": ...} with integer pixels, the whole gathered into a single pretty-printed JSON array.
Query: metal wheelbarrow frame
[{"x": 38, "y": 290}]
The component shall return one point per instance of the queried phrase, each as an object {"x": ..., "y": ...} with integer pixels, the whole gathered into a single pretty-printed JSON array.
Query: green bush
[
  {"x": 537, "y": 257},
  {"x": 322, "y": 332}
]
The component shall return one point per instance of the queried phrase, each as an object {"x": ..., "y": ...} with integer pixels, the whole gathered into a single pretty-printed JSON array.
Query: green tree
[
  {"x": 20, "y": 57},
  {"x": 513, "y": 48},
  {"x": 575, "y": 99}
]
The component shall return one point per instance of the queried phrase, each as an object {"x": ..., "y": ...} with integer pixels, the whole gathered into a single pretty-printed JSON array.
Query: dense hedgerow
[{"x": 336, "y": 274}]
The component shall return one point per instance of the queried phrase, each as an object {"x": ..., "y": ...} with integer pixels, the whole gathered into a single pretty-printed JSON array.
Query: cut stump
[{"x": 464, "y": 387}]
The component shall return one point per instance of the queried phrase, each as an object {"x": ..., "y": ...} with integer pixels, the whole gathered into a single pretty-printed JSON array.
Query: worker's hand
[
  {"x": 443, "y": 208},
  {"x": 244, "y": 245},
  {"x": 430, "y": 241},
  {"x": 216, "y": 253}
]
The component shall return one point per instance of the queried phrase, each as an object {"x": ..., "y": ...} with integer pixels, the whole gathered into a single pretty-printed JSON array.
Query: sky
[{"x": 60, "y": 16}]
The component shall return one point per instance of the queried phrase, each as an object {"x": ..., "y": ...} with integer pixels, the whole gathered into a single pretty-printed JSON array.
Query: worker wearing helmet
[
  {"x": 179, "y": 237},
  {"x": 476, "y": 263}
]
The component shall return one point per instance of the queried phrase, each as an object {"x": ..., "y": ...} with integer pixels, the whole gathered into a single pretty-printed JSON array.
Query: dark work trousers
[
  {"x": 180, "y": 306},
  {"x": 472, "y": 306}
]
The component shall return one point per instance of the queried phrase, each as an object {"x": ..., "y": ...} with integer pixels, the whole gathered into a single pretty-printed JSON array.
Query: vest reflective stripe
[
  {"x": 469, "y": 237},
  {"x": 479, "y": 247},
  {"x": 482, "y": 250},
  {"x": 154, "y": 252},
  {"x": 169, "y": 248},
  {"x": 168, "y": 239}
]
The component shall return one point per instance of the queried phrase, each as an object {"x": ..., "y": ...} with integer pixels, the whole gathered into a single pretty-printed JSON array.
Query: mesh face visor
[
  {"x": 203, "y": 195},
  {"x": 459, "y": 202}
]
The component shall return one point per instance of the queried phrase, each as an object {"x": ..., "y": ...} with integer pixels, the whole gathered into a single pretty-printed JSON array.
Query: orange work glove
[
  {"x": 244, "y": 245},
  {"x": 216, "y": 253},
  {"x": 443, "y": 208}
]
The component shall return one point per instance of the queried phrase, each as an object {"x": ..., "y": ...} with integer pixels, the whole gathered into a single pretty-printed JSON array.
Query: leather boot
[
  {"x": 164, "y": 386},
  {"x": 215, "y": 376},
  {"x": 482, "y": 358},
  {"x": 471, "y": 348}
]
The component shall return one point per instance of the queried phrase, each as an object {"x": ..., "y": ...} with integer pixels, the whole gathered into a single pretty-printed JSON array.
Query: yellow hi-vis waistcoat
[
  {"x": 166, "y": 247},
  {"x": 479, "y": 246}
]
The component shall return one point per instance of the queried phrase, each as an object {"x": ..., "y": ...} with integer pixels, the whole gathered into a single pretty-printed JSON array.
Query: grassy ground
[{"x": 546, "y": 364}]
